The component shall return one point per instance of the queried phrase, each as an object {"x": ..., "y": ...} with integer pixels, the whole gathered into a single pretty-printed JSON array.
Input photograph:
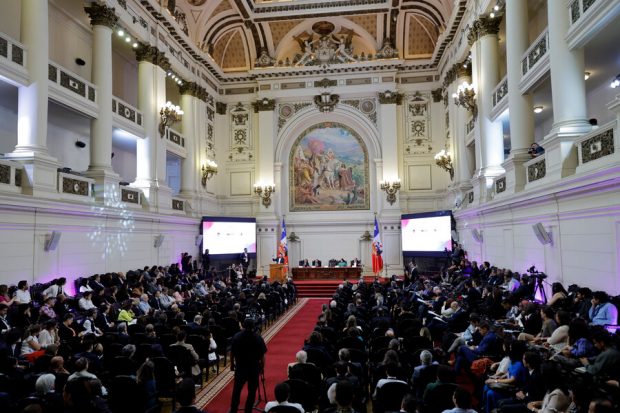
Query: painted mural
[{"x": 328, "y": 170}]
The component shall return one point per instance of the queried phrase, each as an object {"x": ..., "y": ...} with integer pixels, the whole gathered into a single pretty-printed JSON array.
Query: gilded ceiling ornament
[
  {"x": 264, "y": 60},
  {"x": 387, "y": 51},
  {"x": 482, "y": 27}
]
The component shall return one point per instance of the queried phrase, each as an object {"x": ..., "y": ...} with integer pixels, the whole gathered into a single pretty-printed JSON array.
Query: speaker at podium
[{"x": 277, "y": 272}]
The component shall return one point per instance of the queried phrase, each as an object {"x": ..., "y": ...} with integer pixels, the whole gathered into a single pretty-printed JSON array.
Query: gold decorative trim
[
  {"x": 263, "y": 105},
  {"x": 389, "y": 97}
]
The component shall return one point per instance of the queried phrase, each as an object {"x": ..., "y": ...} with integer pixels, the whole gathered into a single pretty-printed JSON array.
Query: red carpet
[{"x": 281, "y": 350}]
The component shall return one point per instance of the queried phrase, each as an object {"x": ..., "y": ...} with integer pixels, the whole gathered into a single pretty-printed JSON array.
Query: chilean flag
[
  {"x": 283, "y": 247},
  {"x": 377, "y": 250}
]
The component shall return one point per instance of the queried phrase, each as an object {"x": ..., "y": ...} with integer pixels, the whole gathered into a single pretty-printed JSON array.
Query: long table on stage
[{"x": 323, "y": 273}]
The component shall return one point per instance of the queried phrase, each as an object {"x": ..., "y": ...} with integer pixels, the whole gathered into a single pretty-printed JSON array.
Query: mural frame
[{"x": 363, "y": 206}]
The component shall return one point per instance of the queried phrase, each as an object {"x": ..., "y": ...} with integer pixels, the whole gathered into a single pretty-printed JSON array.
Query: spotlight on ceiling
[
  {"x": 586, "y": 75},
  {"x": 538, "y": 109},
  {"x": 616, "y": 82}
]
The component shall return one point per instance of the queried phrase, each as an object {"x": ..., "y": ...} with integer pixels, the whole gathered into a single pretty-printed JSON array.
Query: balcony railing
[
  {"x": 126, "y": 111},
  {"x": 578, "y": 8},
  {"x": 500, "y": 91},
  {"x": 12, "y": 50},
  {"x": 535, "y": 53},
  {"x": 10, "y": 176},
  {"x": 597, "y": 144},
  {"x": 74, "y": 186},
  {"x": 72, "y": 90},
  {"x": 536, "y": 168}
]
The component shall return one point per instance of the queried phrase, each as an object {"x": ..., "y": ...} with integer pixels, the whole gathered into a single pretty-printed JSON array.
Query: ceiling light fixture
[
  {"x": 121, "y": 32},
  {"x": 135, "y": 45},
  {"x": 586, "y": 75},
  {"x": 496, "y": 7},
  {"x": 492, "y": 15},
  {"x": 616, "y": 82},
  {"x": 127, "y": 39},
  {"x": 538, "y": 109}
]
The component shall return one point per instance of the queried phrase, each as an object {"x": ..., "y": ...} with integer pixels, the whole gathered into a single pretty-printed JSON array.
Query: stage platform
[{"x": 325, "y": 288}]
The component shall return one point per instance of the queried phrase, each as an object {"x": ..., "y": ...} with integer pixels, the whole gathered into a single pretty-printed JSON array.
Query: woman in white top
[
  {"x": 31, "y": 343},
  {"x": 449, "y": 308},
  {"x": 49, "y": 335},
  {"x": 559, "y": 338},
  {"x": 22, "y": 295},
  {"x": 86, "y": 302},
  {"x": 84, "y": 286},
  {"x": 557, "y": 398},
  {"x": 55, "y": 289}
]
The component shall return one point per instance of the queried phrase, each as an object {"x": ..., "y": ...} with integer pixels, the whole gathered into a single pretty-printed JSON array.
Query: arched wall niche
[{"x": 308, "y": 118}]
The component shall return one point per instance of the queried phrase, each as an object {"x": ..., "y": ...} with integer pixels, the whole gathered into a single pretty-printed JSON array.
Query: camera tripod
[
  {"x": 539, "y": 289},
  {"x": 260, "y": 398}
]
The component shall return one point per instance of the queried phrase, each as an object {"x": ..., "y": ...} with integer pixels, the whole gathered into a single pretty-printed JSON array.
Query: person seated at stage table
[
  {"x": 356, "y": 263},
  {"x": 304, "y": 263},
  {"x": 316, "y": 262},
  {"x": 342, "y": 263}
]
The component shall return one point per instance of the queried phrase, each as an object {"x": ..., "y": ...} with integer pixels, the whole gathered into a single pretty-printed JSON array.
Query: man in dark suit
[
  {"x": 316, "y": 262},
  {"x": 206, "y": 261},
  {"x": 4, "y": 324},
  {"x": 356, "y": 263},
  {"x": 247, "y": 355},
  {"x": 244, "y": 257},
  {"x": 279, "y": 259}
]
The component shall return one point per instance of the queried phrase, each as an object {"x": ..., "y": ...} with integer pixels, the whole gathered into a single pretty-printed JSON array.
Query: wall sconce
[
  {"x": 209, "y": 170},
  {"x": 464, "y": 96},
  {"x": 264, "y": 192},
  {"x": 391, "y": 188},
  {"x": 366, "y": 236},
  {"x": 326, "y": 102},
  {"x": 443, "y": 160},
  {"x": 168, "y": 115}
]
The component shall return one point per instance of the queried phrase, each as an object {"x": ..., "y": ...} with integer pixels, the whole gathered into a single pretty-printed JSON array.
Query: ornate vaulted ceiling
[{"x": 241, "y": 35}]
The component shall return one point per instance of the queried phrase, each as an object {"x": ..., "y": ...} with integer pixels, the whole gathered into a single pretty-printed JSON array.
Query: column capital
[
  {"x": 220, "y": 108},
  {"x": 151, "y": 54},
  {"x": 263, "y": 105},
  {"x": 193, "y": 89},
  {"x": 437, "y": 94},
  {"x": 101, "y": 15},
  {"x": 389, "y": 97},
  {"x": 484, "y": 26},
  {"x": 456, "y": 71}
]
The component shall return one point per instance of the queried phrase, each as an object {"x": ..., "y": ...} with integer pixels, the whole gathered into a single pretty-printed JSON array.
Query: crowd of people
[
  {"x": 125, "y": 341},
  {"x": 474, "y": 339}
]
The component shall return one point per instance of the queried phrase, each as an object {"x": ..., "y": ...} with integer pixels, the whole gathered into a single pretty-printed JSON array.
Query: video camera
[{"x": 535, "y": 273}]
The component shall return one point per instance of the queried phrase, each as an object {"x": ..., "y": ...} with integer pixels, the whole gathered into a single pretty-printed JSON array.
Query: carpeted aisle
[{"x": 281, "y": 349}]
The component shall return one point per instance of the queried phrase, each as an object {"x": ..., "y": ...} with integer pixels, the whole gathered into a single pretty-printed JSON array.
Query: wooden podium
[{"x": 277, "y": 272}]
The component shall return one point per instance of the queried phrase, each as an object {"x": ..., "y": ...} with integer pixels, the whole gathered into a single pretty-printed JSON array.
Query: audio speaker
[
  {"x": 476, "y": 235},
  {"x": 198, "y": 240},
  {"x": 543, "y": 236},
  {"x": 52, "y": 240},
  {"x": 159, "y": 239}
]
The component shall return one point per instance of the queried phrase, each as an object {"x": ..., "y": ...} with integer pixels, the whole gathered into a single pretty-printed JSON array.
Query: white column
[
  {"x": 519, "y": 105},
  {"x": 103, "y": 20},
  {"x": 151, "y": 151},
  {"x": 189, "y": 168},
  {"x": 265, "y": 140},
  {"x": 568, "y": 94},
  {"x": 486, "y": 75},
  {"x": 32, "y": 101},
  {"x": 389, "y": 147},
  {"x": 568, "y": 87},
  {"x": 40, "y": 178},
  {"x": 462, "y": 174}
]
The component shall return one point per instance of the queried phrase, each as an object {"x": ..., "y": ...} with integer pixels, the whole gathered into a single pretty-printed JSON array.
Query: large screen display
[
  {"x": 426, "y": 234},
  {"x": 227, "y": 236}
]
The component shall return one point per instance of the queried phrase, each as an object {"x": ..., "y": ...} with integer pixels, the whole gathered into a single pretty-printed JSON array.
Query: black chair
[
  {"x": 318, "y": 358},
  {"x": 282, "y": 409},
  {"x": 302, "y": 393},
  {"x": 125, "y": 395},
  {"x": 307, "y": 372},
  {"x": 389, "y": 397},
  {"x": 439, "y": 398},
  {"x": 164, "y": 377},
  {"x": 182, "y": 358}
]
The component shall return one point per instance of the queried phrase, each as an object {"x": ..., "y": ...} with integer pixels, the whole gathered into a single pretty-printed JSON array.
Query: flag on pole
[
  {"x": 377, "y": 250},
  {"x": 283, "y": 248}
]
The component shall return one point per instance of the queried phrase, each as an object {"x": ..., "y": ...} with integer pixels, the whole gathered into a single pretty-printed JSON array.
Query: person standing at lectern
[
  {"x": 279, "y": 259},
  {"x": 247, "y": 353},
  {"x": 244, "y": 257}
]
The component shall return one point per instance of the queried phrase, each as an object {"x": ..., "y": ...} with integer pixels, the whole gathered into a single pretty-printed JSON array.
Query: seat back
[
  {"x": 283, "y": 409},
  {"x": 390, "y": 396}
]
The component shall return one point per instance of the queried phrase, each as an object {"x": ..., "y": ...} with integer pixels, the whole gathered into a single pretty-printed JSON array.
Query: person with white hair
[
  {"x": 301, "y": 357},
  {"x": 45, "y": 384},
  {"x": 420, "y": 378}
]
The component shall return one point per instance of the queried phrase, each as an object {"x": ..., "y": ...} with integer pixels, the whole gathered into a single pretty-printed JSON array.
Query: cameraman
[
  {"x": 535, "y": 150},
  {"x": 247, "y": 355}
]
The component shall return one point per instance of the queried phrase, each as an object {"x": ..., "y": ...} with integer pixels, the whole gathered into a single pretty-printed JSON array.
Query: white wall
[
  {"x": 92, "y": 240},
  {"x": 64, "y": 128},
  {"x": 585, "y": 228},
  {"x": 8, "y": 115}
]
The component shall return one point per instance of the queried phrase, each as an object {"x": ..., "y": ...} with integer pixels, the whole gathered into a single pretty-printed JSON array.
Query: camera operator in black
[{"x": 247, "y": 360}]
